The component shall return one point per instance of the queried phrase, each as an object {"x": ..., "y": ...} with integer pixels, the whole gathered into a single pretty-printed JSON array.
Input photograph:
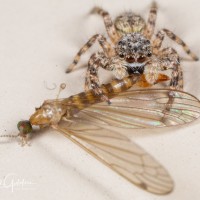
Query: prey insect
[
  {"x": 87, "y": 121},
  {"x": 132, "y": 47}
]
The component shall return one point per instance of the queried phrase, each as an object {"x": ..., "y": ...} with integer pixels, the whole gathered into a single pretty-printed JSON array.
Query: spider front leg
[
  {"x": 110, "y": 28},
  {"x": 111, "y": 64},
  {"x": 109, "y": 51},
  {"x": 170, "y": 60},
  {"x": 160, "y": 37},
  {"x": 97, "y": 60},
  {"x": 166, "y": 59},
  {"x": 149, "y": 30}
]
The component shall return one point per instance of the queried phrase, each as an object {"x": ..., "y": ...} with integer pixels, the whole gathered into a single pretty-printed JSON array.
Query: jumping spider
[{"x": 132, "y": 49}]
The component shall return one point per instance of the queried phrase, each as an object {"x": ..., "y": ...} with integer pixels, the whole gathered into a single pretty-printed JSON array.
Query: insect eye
[
  {"x": 24, "y": 127},
  {"x": 141, "y": 59}
]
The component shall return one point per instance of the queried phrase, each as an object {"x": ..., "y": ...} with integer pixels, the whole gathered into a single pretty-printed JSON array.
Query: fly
[{"x": 86, "y": 120}]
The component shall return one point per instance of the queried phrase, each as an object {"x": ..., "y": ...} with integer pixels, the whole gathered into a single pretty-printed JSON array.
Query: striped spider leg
[
  {"x": 151, "y": 22},
  {"x": 165, "y": 32},
  {"x": 171, "y": 55},
  {"x": 106, "y": 46},
  {"x": 170, "y": 58}
]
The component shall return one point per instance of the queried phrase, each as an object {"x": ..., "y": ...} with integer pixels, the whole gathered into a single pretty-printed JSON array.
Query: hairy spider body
[
  {"x": 133, "y": 49},
  {"x": 129, "y": 22}
]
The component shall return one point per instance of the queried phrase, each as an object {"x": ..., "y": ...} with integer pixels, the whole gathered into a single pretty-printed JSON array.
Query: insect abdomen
[
  {"x": 85, "y": 99},
  {"x": 117, "y": 86}
]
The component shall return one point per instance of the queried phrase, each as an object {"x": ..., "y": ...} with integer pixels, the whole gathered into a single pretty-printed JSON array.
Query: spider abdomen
[{"x": 129, "y": 22}]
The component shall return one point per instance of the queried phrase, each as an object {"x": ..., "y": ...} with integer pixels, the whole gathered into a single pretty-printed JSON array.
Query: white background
[{"x": 38, "y": 40}]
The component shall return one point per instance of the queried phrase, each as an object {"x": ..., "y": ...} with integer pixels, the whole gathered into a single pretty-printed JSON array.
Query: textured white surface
[{"x": 38, "y": 39}]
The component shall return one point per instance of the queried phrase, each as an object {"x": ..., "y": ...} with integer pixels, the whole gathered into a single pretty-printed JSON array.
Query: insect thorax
[{"x": 129, "y": 22}]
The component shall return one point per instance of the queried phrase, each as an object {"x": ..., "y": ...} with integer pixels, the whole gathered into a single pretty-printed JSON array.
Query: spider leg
[
  {"x": 160, "y": 37},
  {"x": 176, "y": 78},
  {"x": 97, "y": 60},
  {"x": 149, "y": 30},
  {"x": 103, "y": 43},
  {"x": 110, "y": 28},
  {"x": 170, "y": 60},
  {"x": 143, "y": 82}
]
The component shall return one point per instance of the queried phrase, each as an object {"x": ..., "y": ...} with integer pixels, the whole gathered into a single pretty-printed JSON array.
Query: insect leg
[
  {"x": 151, "y": 21},
  {"x": 160, "y": 37},
  {"x": 110, "y": 28},
  {"x": 103, "y": 43}
]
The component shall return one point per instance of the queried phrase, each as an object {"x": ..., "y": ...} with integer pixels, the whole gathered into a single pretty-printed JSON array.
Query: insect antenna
[
  {"x": 9, "y": 136},
  {"x": 62, "y": 87}
]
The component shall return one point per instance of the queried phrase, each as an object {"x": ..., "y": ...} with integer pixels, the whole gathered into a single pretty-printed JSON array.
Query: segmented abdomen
[{"x": 112, "y": 89}]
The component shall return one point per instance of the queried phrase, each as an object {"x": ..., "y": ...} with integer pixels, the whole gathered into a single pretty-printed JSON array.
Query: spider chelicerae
[{"x": 132, "y": 48}]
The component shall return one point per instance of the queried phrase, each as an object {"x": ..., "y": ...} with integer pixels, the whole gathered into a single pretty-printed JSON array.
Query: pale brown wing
[
  {"x": 120, "y": 154},
  {"x": 145, "y": 109}
]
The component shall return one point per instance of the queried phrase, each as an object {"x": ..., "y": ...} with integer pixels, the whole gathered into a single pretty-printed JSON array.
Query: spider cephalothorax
[
  {"x": 133, "y": 46},
  {"x": 133, "y": 49}
]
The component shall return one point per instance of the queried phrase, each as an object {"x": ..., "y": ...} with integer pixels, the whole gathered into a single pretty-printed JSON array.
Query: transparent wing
[
  {"x": 120, "y": 154},
  {"x": 144, "y": 109}
]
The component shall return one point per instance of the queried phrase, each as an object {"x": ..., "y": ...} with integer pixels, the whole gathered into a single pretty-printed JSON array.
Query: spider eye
[
  {"x": 141, "y": 59},
  {"x": 149, "y": 54},
  {"x": 121, "y": 55},
  {"x": 130, "y": 59}
]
